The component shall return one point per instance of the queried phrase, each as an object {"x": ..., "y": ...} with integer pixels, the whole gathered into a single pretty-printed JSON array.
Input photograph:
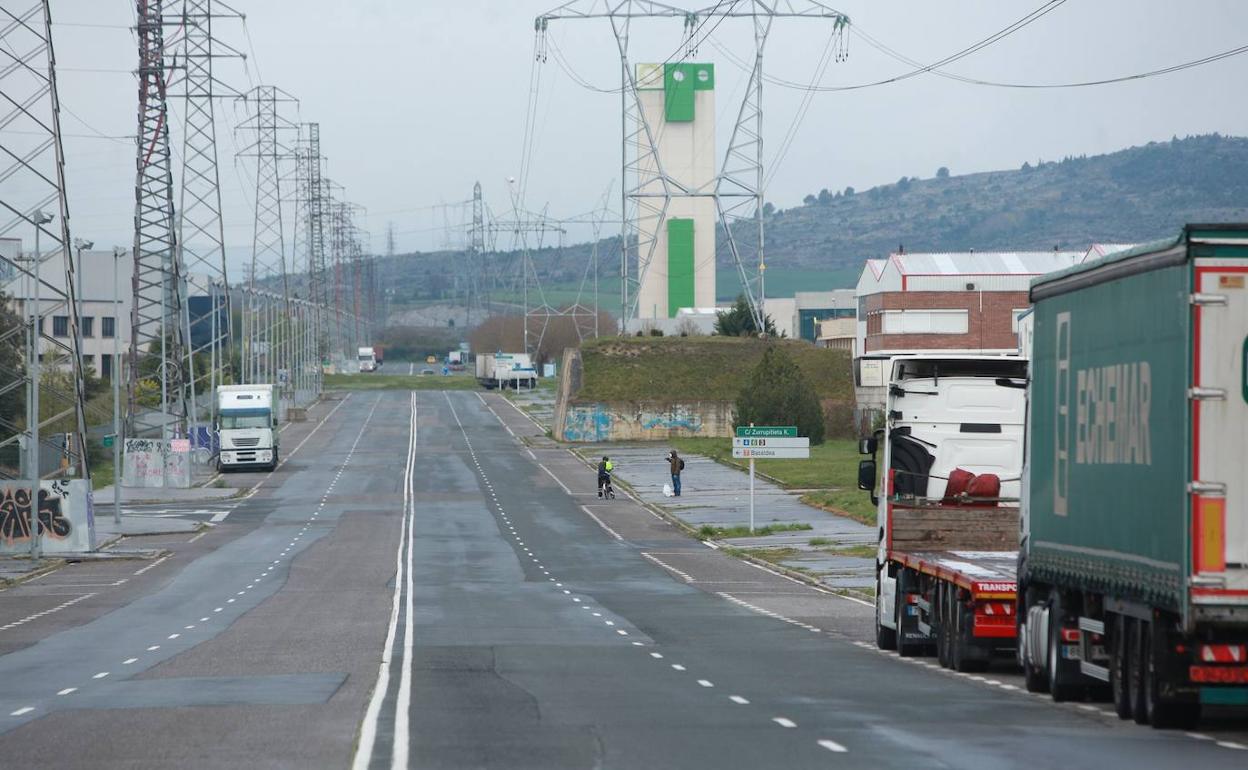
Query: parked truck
[
  {"x": 947, "y": 508},
  {"x": 1133, "y": 565},
  {"x": 367, "y": 358},
  {"x": 247, "y": 426},
  {"x": 506, "y": 370}
]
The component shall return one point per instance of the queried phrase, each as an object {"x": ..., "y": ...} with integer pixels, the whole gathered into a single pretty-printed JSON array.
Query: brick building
[{"x": 966, "y": 302}]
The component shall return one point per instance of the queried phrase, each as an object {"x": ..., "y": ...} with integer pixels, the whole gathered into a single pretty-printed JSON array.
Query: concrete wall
[
  {"x": 152, "y": 463},
  {"x": 66, "y": 514},
  {"x": 644, "y": 421}
]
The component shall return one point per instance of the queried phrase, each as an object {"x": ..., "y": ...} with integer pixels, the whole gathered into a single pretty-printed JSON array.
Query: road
[{"x": 426, "y": 583}]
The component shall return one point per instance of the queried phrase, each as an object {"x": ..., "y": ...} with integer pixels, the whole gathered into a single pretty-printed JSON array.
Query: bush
[{"x": 777, "y": 394}]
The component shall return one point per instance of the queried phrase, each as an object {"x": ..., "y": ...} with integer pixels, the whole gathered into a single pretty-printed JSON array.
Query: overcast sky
[{"x": 417, "y": 99}]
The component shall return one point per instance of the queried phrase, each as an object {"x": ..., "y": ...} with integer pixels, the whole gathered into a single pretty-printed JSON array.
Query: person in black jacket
[{"x": 677, "y": 465}]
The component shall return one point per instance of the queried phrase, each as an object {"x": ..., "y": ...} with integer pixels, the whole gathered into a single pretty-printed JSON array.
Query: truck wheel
[
  {"x": 885, "y": 637},
  {"x": 1118, "y": 674},
  {"x": 961, "y": 661},
  {"x": 1059, "y": 688},
  {"x": 1162, "y": 714}
]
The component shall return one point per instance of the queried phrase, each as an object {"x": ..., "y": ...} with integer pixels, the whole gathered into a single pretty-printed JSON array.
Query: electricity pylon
[
  {"x": 32, "y": 203},
  {"x": 647, "y": 190}
]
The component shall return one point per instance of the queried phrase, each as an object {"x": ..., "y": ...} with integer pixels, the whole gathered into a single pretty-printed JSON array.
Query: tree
[
  {"x": 768, "y": 209},
  {"x": 942, "y": 172},
  {"x": 738, "y": 321},
  {"x": 777, "y": 393},
  {"x": 809, "y": 200},
  {"x": 825, "y": 197},
  {"x": 849, "y": 192}
]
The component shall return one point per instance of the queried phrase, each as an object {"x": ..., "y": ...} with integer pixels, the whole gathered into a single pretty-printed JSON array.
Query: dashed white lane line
[
  {"x": 706, "y": 683},
  {"x": 174, "y": 636},
  {"x": 621, "y": 632},
  {"x": 738, "y": 700},
  {"x": 656, "y": 655},
  {"x": 128, "y": 661},
  {"x": 67, "y": 691},
  {"x": 201, "y": 534},
  {"x": 100, "y": 675},
  {"x": 833, "y": 746},
  {"x": 678, "y": 667},
  {"x": 684, "y": 576},
  {"x": 1232, "y": 745},
  {"x": 784, "y": 722},
  {"x": 38, "y": 615},
  {"x": 153, "y": 648},
  {"x": 154, "y": 564},
  {"x": 22, "y": 710}
]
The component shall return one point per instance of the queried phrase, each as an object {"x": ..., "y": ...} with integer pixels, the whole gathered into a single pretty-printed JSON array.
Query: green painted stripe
[{"x": 679, "y": 265}]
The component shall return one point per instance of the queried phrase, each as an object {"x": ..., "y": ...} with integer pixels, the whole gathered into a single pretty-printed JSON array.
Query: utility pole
[
  {"x": 157, "y": 345},
  {"x": 33, "y": 203},
  {"x": 200, "y": 226}
]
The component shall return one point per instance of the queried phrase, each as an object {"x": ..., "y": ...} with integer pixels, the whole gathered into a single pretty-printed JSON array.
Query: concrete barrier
[
  {"x": 66, "y": 516},
  {"x": 152, "y": 463}
]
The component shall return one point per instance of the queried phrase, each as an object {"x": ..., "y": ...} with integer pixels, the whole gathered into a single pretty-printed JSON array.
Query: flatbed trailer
[{"x": 948, "y": 508}]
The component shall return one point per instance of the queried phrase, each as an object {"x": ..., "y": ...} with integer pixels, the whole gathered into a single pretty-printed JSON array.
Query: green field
[
  {"x": 373, "y": 381},
  {"x": 830, "y": 476},
  {"x": 669, "y": 369}
]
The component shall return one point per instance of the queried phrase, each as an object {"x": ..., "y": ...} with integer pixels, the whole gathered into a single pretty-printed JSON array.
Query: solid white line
[
  {"x": 530, "y": 451},
  {"x": 368, "y": 729},
  {"x": 833, "y": 746},
  {"x": 784, "y": 722},
  {"x": 401, "y": 718},
  {"x": 201, "y": 534},
  {"x": 150, "y": 566},
  {"x": 1232, "y": 745},
  {"x": 556, "y": 478},
  {"x": 22, "y": 710},
  {"x": 738, "y": 699},
  {"x": 610, "y": 531}
]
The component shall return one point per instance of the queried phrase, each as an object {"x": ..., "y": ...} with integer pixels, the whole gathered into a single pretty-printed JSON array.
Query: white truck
[
  {"x": 247, "y": 426},
  {"x": 947, "y": 506},
  {"x": 368, "y": 359},
  {"x": 506, "y": 370}
]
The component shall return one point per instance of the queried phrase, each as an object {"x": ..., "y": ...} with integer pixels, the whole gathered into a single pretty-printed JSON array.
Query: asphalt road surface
[{"x": 425, "y": 583}]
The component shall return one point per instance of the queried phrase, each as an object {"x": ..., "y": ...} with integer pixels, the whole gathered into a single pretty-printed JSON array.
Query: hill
[{"x": 1132, "y": 195}]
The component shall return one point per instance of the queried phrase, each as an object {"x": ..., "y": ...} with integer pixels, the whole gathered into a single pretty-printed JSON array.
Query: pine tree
[{"x": 777, "y": 393}]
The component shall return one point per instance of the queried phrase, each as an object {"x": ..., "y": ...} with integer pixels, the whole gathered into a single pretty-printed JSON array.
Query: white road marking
[
  {"x": 621, "y": 632},
  {"x": 556, "y": 478},
  {"x": 100, "y": 675},
  {"x": 67, "y": 691},
  {"x": 153, "y": 564},
  {"x": 833, "y": 746},
  {"x": 710, "y": 545},
  {"x": 610, "y": 531},
  {"x": 1232, "y": 745},
  {"x": 738, "y": 699},
  {"x": 201, "y": 534},
  {"x": 128, "y": 661},
  {"x": 38, "y": 615},
  {"x": 401, "y": 717},
  {"x": 174, "y": 636},
  {"x": 684, "y": 576},
  {"x": 217, "y": 518},
  {"x": 784, "y": 722},
  {"x": 218, "y": 609},
  {"x": 656, "y": 655},
  {"x": 1199, "y": 737},
  {"x": 153, "y": 648},
  {"x": 203, "y": 620},
  {"x": 678, "y": 667},
  {"x": 705, "y": 683},
  {"x": 22, "y": 710}
]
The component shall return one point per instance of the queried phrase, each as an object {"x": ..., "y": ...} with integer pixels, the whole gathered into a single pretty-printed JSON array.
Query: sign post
[{"x": 769, "y": 441}]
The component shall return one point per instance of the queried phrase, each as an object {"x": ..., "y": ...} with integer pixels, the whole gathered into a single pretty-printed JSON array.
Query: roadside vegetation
[
  {"x": 708, "y": 532},
  {"x": 374, "y": 381},
  {"x": 829, "y": 479}
]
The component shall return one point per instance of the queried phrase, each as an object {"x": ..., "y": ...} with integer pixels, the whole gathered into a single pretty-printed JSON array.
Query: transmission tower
[
  {"x": 268, "y": 344},
  {"x": 32, "y": 203},
  {"x": 157, "y": 348},
  {"x": 312, "y": 192},
  {"x": 647, "y": 190},
  {"x": 201, "y": 230}
]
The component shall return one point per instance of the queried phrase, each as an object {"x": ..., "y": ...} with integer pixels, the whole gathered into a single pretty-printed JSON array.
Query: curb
[{"x": 52, "y": 565}]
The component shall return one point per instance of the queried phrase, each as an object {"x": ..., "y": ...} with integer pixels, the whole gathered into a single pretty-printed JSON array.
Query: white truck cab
[
  {"x": 247, "y": 426},
  {"x": 367, "y": 357}
]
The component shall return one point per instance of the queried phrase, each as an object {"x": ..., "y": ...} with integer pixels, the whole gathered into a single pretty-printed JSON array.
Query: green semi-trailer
[{"x": 1133, "y": 561}]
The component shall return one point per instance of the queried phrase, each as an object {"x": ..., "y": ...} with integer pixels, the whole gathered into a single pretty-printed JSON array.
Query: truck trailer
[
  {"x": 247, "y": 426},
  {"x": 506, "y": 370},
  {"x": 1133, "y": 564},
  {"x": 952, "y": 445}
]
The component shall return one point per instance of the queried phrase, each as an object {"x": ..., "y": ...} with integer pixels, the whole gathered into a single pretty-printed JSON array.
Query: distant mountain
[{"x": 1132, "y": 195}]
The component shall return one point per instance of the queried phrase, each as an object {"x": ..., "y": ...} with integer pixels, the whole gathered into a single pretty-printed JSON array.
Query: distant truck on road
[
  {"x": 1133, "y": 568},
  {"x": 952, "y": 453},
  {"x": 368, "y": 359},
  {"x": 506, "y": 370},
  {"x": 247, "y": 426}
]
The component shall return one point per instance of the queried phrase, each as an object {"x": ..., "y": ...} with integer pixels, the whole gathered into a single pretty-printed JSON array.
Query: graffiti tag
[{"x": 15, "y": 518}]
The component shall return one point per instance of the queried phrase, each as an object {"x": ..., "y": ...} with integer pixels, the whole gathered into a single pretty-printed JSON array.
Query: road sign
[
  {"x": 766, "y": 430},
  {"x": 785, "y": 442},
  {"x": 109, "y": 439},
  {"x": 180, "y": 445},
  {"x": 770, "y": 453}
]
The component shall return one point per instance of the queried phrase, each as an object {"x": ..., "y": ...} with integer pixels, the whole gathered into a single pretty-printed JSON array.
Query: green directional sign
[
  {"x": 109, "y": 439},
  {"x": 764, "y": 431}
]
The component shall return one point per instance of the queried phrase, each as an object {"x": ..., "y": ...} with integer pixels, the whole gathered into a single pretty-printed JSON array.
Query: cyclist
[{"x": 604, "y": 478}]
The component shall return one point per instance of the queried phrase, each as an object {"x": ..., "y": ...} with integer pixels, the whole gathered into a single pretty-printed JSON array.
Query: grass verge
[
  {"x": 707, "y": 532},
  {"x": 372, "y": 381},
  {"x": 830, "y": 476}
]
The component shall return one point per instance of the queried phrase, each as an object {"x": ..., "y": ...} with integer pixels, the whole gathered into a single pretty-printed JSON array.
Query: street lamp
[
  {"x": 81, "y": 245},
  {"x": 39, "y": 218}
]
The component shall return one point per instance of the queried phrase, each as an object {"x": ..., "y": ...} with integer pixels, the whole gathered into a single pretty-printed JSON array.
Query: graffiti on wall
[
  {"x": 15, "y": 513},
  {"x": 591, "y": 422},
  {"x": 150, "y": 463},
  {"x": 625, "y": 422},
  {"x": 676, "y": 418}
]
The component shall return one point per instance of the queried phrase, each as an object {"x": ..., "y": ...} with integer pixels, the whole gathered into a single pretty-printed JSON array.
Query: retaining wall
[{"x": 66, "y": 517}]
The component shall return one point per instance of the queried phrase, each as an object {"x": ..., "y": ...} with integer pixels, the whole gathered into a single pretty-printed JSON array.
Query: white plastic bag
[{"x": 667, "y": 490}]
